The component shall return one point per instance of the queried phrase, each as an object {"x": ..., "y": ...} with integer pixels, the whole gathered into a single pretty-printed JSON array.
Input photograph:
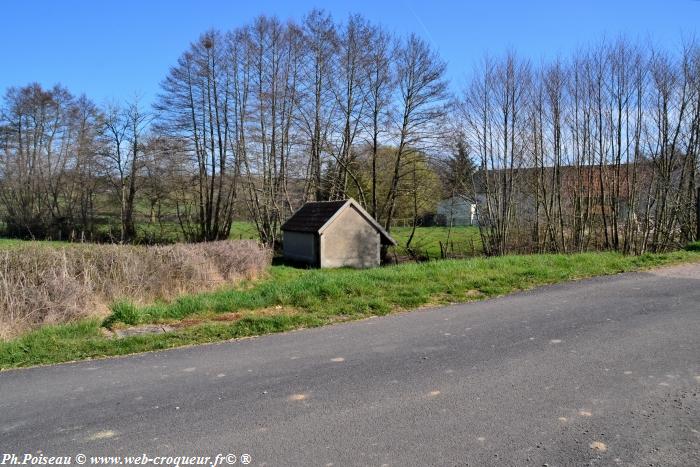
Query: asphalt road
[{"x": 598, "y": 372}]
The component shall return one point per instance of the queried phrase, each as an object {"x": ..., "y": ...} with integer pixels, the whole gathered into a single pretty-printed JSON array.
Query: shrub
[
  {"x": 42, "y": 285},
  {"x": 123, "y": 312}
]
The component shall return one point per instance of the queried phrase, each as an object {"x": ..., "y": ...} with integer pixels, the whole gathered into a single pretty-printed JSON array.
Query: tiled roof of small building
[{"x": 312, "y": 216}]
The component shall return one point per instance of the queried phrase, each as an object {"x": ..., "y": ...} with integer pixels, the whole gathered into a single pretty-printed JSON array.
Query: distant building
[
  {"x": 456, "y": 211},
  {"x": 587, "y": 183},
  {"x": 331, "y": 234}
]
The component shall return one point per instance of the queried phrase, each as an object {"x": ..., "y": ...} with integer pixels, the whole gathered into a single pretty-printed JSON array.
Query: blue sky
[{"x": 116, "y": 49}]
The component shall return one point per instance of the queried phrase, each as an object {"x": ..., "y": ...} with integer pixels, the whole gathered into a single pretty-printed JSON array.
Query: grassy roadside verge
[{"x": 294, "y": 298}]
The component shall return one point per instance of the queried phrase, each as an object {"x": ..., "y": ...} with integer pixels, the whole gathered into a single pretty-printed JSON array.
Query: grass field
[
  {"x": 695, "y": 246},
  {"x": 11, "y": 242},
  {"x": 241, "y": 230},
  {"x": 463, "y": 241},
  {"x": 295, "y": 298}
]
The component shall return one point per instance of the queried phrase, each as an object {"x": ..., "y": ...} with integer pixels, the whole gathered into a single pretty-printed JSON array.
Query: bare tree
[
  {"x": 124, "y": 127},
  {"x": 350, "y": 96},
  {"x": 194, "y": 106},
  {"x": 317, "y": 110},
  {"x": 422, "y": 105},
  {"x": 496, "y": 113},
  {"x": 380, "y": 87},
  {"x": 47, "y": 136},
  {"x": 598, "y": 150}
]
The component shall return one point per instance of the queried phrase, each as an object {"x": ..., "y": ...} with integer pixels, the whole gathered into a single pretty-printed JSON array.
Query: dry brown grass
[{"x": 46, "y": 285}]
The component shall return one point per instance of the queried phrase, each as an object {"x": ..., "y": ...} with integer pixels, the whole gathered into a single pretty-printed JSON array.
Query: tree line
[
  {"x": 595, "y": 151},
  {"x": 250, "y": 122},
  {"x": 598, "y": 151}
]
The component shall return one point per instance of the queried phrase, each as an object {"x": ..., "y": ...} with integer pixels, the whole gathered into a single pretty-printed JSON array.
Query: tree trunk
[{"x": 697, "y": 215}]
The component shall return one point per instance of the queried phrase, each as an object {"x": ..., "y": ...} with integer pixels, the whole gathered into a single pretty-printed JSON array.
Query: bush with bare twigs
[{"x": 46, "y": 285}]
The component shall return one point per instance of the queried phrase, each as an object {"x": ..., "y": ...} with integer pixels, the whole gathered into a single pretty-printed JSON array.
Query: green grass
[
  {"x": 169, "y": 232},
  {"x": 464, "y": 240},
  {"x": 14, "y": 243},
  {"x": 694, "y": 246},
  {"x": 294, "y": 298},
  {"x": 243, "y": 230}
]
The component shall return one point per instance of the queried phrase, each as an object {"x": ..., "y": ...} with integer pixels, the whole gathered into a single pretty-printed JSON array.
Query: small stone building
[{"x": 332, "y": 234}]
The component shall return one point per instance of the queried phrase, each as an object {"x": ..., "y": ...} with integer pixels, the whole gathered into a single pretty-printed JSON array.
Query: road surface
[{"x": 598, "y": 372}]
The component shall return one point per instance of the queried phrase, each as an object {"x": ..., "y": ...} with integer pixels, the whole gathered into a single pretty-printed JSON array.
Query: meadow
[
  {"x": 459, "y": 241},
  {"x": 456, "y": 242}
]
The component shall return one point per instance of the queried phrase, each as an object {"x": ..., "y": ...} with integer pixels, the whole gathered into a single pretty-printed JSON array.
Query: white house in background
[{"x": 457, "y": 211}]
